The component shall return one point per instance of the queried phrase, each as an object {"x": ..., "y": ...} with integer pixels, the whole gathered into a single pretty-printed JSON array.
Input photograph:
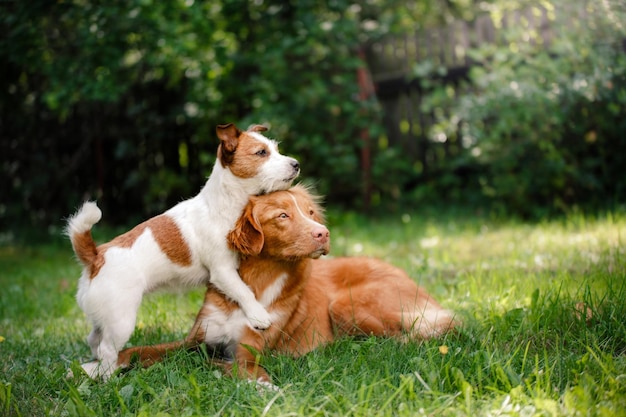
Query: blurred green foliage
[
  {"x": 119, "y": 100},
  {"x": 541, "y": 127},
  {"x": 549, "y": 124}
]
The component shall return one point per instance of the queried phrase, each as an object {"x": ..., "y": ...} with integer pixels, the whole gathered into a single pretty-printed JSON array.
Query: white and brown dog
[
  {"x": 185, "y": 246},
  {"x": 311, "y": 301}
]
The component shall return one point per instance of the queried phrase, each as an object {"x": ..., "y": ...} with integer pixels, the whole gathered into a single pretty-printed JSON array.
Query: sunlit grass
[
  {"x": 544, "y": 307},
  {"x": 439, "y": 251}
]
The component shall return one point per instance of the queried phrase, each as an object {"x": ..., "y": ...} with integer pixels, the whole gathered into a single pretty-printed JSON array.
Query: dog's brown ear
[
  {"x": 229, "y": 139},
  {"x": 247, "y": 236},
  {"x": 257, "y": 128}
]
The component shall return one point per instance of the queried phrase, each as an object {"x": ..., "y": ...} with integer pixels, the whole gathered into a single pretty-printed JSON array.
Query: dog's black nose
[{"x": 295, "y": 164}]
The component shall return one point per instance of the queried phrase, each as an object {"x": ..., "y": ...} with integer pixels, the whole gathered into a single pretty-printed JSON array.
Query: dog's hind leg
[
  {"x": 111, "y": 333},
  {"x": 107, "y": 351},
  {"x": 94, "y": 339},
  {"x": 351, "y": 317}
]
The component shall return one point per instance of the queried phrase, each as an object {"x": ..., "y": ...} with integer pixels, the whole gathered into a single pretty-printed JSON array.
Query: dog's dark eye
[
  {"x": 261, "y": 152},
  {"x": 311, "y": 212},
  {"x": 283, "y": 216}
]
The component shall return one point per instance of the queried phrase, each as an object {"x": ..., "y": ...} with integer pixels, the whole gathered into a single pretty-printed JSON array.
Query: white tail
[{"x": 84, "y": 219}]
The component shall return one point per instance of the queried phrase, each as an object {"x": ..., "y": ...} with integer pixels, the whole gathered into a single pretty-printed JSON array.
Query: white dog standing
[{"x": 185, "y": 246}]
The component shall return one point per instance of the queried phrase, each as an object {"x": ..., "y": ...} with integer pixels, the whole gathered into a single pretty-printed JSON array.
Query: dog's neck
[
  {"x": 260, "y": 272},
  {"x": 232, "y": 192}
]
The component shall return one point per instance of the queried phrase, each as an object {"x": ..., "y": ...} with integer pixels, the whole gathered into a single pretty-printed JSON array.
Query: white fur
[
  {"x": 273, "y": 291},
  {"x": 84, "y": 220},
  {"x": 306, "y": 217},
  {"x": 222, "y": 328},
  {"x": 111, "y": 298}
]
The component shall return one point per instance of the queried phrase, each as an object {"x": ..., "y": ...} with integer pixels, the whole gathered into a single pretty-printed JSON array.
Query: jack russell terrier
[{"x": 185, "y": 246}]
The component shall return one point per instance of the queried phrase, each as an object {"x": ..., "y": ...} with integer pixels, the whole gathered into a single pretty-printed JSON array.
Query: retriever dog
[
  {"x": 312, "y": 301},
  {"x": 184, "y": 246}
]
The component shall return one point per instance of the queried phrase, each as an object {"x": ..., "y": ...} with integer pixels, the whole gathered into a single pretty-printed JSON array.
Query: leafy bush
[
  {"x": 119, "y": 102},
  {"x": 542, "y": 125},
  {"x": 124, "y": 97},
  {"x": 299, "y": 70},
  {"x": 99, "y": 98}
]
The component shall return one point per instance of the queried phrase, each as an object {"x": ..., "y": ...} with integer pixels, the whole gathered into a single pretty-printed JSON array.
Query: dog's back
[{"x": 369, "y": 296}]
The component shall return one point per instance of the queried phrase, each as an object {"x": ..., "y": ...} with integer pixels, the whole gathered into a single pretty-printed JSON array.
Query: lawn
[{"x": 543, "y": 305}]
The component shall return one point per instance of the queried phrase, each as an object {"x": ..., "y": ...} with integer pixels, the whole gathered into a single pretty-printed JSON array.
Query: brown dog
[{"x": 312, "y": 301}]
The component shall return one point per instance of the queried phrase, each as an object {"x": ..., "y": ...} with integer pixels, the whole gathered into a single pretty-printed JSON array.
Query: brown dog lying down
[{"x": 311, "y": 301}]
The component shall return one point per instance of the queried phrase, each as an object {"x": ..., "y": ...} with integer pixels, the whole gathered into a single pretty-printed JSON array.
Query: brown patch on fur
[
  {"x": 247, "y": 235},
  {"x": 171, "y": 241},
  {"x": 228, "y": 135},
  {"x": 165, "y": 232},
  {"x": 250, "y": 155},
  {"x": 241, "y": 152},
  {"x": 85, "y": 249}
]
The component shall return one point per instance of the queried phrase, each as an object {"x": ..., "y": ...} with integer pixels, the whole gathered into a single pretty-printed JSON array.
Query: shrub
[{"x": 543, "y": 124}]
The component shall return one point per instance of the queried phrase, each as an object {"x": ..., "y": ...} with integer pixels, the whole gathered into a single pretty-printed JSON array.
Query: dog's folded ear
[
  {"x": 258, "y": 128},
  {"x": 247, "y": 236},
  {"x": 229, "y": 139}
]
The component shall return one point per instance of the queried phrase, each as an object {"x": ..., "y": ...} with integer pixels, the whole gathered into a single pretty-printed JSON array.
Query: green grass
[{"x": 524, "y": 350}]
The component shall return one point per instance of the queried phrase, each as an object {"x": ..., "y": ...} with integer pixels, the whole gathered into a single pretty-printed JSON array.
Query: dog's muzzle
[{"x": 295, "y": 165}]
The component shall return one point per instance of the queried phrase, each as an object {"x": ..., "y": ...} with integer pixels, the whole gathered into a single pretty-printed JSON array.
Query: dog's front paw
[
  {"x": 263, "y": 385},
  {"x": 260, "y": 319},
  {"x": 96, "y": 370},
  {"x": 92, "y": 369}
]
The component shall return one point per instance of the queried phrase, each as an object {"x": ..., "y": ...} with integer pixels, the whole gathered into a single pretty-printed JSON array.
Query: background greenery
[
  {"x": 542, "y": 127},
  {"x": 119, "y": 100}
]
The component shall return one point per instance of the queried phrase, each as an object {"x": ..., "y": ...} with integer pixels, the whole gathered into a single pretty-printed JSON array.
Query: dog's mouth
[
  {"x": 292, "y": 176},
  {"x": 318, "y": 253}
]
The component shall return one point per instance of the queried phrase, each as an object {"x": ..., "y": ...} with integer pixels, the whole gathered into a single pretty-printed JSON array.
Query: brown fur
[
  {"x": 320, "y": 300},
  {"x": 87, "y": 252},
  {"x": 230, "y": 141}
]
